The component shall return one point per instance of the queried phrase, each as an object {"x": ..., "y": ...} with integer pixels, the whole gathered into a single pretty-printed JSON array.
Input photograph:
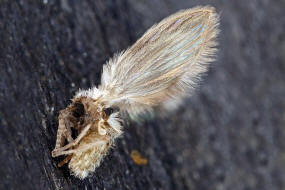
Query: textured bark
[{"x": 229, "y": 135}]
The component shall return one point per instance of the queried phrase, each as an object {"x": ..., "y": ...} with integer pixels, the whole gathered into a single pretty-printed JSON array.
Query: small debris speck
[{"x": 137, "y": 158}]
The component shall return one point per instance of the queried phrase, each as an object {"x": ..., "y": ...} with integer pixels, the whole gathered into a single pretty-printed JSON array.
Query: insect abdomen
[{"x": 87, "y": 161}]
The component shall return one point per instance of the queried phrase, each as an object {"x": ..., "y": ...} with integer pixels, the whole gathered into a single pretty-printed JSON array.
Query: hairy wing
[{"x": 165, "y": 63}]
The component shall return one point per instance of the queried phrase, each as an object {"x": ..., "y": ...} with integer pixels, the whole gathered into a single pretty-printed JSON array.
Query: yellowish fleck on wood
[{"x": 137, "y": 158}]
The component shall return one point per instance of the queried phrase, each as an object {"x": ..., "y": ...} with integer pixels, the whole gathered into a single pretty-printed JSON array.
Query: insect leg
[
  {"x": 73, "y": 143},
  {"x": 66, "y": 160},
  {"x": 90, "y": 145},
  {"x": 83, "y": 148},
  {"x": 68, "y": 132},
  {"x": 60, "y": 134}
]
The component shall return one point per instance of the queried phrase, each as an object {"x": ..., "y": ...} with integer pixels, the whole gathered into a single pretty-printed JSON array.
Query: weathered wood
[{"x": 230, "y": 135}]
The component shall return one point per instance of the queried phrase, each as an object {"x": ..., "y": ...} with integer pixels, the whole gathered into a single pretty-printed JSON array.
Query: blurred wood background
[{"x": 229, "y": 135}]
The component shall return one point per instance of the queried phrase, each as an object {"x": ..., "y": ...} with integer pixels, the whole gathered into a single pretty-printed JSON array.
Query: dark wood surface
[{"x": 229, "y": 135}]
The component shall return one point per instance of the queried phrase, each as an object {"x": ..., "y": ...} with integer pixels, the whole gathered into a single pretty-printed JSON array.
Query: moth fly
[{"x": 163, "y": 66}]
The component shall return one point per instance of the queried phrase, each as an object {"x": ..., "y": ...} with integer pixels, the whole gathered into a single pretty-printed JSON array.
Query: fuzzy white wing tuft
[{"x": 164, "y": 64}]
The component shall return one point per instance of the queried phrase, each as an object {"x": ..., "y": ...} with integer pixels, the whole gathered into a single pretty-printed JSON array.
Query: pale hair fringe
[{"x": 164, "y": 65}]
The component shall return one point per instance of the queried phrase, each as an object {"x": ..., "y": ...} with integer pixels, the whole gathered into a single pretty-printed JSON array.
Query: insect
[{"x": 164, "y": 65}]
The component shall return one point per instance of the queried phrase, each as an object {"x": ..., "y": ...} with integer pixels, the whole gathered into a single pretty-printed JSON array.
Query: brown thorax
[{"x": 83, "y": 116}]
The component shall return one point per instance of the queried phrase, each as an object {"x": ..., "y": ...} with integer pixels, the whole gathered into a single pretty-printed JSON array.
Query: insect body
[
  {"x": 164, "y": 65},
  {"x": 97, "y": 131}
]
